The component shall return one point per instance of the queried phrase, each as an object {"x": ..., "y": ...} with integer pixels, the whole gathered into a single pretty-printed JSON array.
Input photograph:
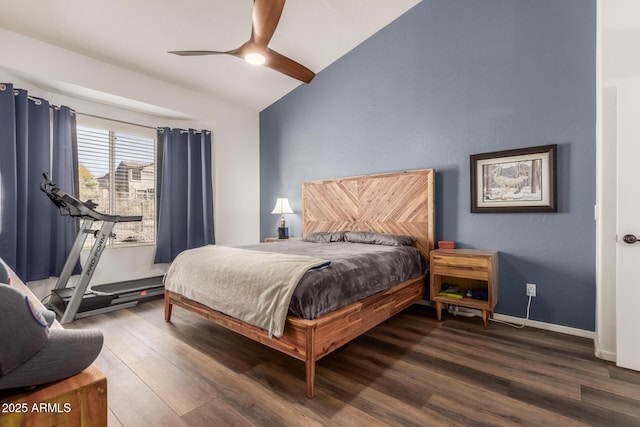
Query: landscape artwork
[
  {"x": 521, "y": 180},
  {"x": 512, "y": 181}
]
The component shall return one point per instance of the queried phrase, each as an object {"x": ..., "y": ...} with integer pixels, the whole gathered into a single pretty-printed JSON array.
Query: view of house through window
[{"x": 117, "y": 170}]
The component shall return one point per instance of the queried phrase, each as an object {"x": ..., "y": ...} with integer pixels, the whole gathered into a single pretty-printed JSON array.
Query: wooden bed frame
[{"x": 397, "y": 203}]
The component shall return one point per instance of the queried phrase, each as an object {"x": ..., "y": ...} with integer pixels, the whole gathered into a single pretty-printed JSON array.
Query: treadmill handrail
[{"x": 77, "y": 208}]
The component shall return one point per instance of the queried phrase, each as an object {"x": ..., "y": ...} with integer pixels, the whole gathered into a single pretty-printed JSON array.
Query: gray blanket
[
  {"x": 356, "y": 272},
  {"x": 251, "y": 286}
]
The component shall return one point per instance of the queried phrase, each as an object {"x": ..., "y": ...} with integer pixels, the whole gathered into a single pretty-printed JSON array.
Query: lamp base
[{"x": 283, "y": 232}]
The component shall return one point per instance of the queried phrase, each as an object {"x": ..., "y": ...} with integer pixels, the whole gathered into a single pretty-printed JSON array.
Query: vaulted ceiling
[{"x": 136, "y": 35}]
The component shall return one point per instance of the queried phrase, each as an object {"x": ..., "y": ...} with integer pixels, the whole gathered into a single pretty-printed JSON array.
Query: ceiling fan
[{"x": 266, "y": 14}]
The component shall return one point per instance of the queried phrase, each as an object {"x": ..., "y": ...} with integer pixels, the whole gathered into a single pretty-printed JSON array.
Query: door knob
[{"x": 630, "y": 238}]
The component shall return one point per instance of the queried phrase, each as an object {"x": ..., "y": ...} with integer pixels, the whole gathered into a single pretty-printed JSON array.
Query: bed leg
[
  {"x": 167, "y": 307},
  {"x": 310, "y": 362},
  {"x": 311, "y": 377}
]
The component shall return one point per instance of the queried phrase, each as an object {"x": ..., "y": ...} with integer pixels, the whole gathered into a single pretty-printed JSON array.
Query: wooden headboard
[{"x": 396, "y": 203}]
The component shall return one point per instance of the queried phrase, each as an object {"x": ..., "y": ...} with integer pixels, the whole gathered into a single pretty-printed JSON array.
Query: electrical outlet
[{"x": 531, "y": 289}]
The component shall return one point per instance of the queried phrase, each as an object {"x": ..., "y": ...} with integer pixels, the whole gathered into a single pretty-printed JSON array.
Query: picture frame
[{"x": 515, "y": 181}]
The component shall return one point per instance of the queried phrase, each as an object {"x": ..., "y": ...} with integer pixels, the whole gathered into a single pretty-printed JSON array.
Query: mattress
[{"x": 356, "y": 271}]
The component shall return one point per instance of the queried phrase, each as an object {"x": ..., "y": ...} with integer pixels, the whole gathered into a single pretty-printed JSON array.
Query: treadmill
[{"x": 72, "y": 303}]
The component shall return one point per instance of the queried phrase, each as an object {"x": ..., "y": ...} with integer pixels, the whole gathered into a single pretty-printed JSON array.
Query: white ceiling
[{"x": 136, "y": 35}]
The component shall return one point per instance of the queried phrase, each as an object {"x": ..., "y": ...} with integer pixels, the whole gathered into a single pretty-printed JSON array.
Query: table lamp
[{"x": 282, "y": 207}]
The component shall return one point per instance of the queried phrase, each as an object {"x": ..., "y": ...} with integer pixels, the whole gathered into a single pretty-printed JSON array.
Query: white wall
[{"x": 93, "y": 87}]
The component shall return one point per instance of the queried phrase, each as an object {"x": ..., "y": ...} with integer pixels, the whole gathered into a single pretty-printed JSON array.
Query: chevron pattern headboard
[{"x": 397, "y": 203}]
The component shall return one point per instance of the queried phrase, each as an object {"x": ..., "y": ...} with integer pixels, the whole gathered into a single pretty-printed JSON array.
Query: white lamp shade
[{"x": 282, "y": 207}]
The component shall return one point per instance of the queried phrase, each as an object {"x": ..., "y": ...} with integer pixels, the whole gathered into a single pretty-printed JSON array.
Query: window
[{"x": 117, "y": 170}]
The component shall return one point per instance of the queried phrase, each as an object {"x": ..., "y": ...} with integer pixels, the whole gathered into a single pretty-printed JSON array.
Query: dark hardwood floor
[{"x": 411, "y": 370}]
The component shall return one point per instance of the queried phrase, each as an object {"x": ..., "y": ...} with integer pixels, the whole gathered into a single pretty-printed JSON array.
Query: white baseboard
[
  {"x": 548, "y": 326},
  {"x": 534, "y": 324},
  {"x": 604, "y": 354}
]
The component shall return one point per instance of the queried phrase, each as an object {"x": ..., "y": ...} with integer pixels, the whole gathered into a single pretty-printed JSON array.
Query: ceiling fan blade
[
  {"x": 266, "y": 15},
  {"x": 288, "y": 66},
  {"x": 195, "y": 52}
]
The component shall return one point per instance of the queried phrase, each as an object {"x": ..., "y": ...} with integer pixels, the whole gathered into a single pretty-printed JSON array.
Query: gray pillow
[
  {"x": 324, "y": 237},
  {"x": 378, "y": 238}
]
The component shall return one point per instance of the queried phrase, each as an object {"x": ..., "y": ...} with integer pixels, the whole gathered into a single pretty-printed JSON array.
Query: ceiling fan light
[{"x": 254, "y": 58}]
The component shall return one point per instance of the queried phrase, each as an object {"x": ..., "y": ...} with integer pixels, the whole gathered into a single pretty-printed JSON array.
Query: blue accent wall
[{"x": 446, "y": 80}]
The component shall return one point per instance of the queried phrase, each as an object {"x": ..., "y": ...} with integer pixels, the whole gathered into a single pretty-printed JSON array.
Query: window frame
[{"x": 113, "y": 127}]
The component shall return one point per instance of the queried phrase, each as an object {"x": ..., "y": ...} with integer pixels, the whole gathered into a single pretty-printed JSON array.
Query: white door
[{"x": 628, "y": 224}]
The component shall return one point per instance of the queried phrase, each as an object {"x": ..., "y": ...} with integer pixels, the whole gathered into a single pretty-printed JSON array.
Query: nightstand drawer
[
  {"x": 461, "y": 266},
  {"x": 461, "y": 261},
  {"x": 480, "y": 272}
]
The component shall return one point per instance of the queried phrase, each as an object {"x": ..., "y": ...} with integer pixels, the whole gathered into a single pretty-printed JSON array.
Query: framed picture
[{"x": 522, "y": 180}]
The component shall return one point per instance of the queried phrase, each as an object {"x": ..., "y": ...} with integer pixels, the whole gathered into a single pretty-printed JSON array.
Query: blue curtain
[
  {"x": 8, "y": 177},
  {"x": 64, "y": 172},
  {"x": 185, "y": 201},
  {"x": 27, "y": 216}
]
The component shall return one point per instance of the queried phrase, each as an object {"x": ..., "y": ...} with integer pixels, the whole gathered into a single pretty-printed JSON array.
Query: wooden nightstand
[
  {"x": 276, "y": 240},
  {"x": 470, "y": 270}
]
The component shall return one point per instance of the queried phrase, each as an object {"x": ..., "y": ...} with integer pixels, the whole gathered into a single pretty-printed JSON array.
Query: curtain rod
[
  {"x": 117, "y": 121},
  {"x": 38, "y": 101},
  {"x": 133, "y": 124}
]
